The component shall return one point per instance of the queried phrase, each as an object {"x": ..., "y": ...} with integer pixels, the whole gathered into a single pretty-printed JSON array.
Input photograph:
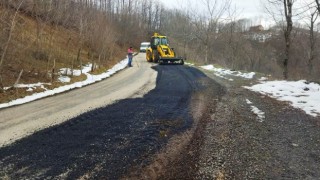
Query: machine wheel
[
  {"x": 182, "y": 62},
  {"x": 155, "y": 56},
  {"x": 149, "y": 56}
]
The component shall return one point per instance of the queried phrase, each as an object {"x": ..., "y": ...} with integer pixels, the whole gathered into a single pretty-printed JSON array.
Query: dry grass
[
  {"x": 11, "y": 94},
  {"x": 35, "y": 48}
]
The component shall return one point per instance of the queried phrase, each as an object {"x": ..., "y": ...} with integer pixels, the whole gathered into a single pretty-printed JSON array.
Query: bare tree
[
  {"x": 312, "y": 41},
  {"x": 286, "y": 7},
  {"x": 4, "y": 51},
  {"x": 207, "y": 23},
  {"x": 318, "y": 5}
]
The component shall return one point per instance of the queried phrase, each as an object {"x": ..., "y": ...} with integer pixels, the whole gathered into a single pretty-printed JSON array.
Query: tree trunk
[
  {"x": 318, "y": 5},
  {"x": 18, "y": 79},
  {"x": 53, "y": 70},
  {"x": 1, "y": 84},
  {"x": 8, "y": 42},
  {"x": 207, "y": 52},
  {"x": 287, "y": 34},
  {"x": 79, "y": 58},
  {"x": 312, "y": 40},
  {"x": 92, "y": 62}
]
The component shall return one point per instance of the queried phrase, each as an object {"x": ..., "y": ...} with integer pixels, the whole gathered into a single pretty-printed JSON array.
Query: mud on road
[{"x": 115, "y": 141}]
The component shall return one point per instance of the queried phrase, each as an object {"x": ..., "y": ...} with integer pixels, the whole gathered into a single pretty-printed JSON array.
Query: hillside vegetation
[
  {"x": 38, "y": 45},
  {"x": 37, "y": 38}
]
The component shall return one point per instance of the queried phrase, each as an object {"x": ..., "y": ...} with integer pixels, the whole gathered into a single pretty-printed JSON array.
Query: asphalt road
[
  {"x": 100, "y": 131},
  {"x": 159, "y": 122}
]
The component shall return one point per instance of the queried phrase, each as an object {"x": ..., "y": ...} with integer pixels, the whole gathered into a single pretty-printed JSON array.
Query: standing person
[{"x": 130, "y": 56}]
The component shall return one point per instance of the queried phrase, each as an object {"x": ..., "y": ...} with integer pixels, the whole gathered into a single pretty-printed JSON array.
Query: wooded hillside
[{"x": 38, "y": 37}]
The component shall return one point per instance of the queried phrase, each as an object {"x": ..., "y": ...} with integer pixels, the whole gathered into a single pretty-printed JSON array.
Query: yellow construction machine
[{"x": 160, "y": 51}]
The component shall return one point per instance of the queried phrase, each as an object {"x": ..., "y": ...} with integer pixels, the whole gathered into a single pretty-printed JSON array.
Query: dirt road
[
  {"x": 23, "y": 120},
  {"x": 191, "y": 125},
  {"x": 109, "y": 142}
]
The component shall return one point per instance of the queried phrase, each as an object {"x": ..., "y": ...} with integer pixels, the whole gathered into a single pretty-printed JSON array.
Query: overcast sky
[{"x": 251, "y": 9}]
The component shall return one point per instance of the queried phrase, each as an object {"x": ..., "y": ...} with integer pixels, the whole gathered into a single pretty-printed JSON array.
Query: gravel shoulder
[
  {"x": 238, "y": 145},
  {"x": 229, "y": 141}
]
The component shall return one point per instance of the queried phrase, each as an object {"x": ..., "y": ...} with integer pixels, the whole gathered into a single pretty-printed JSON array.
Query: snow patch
[
  {"x": 260, "y": 114},
  {"x": 64, "y": 79},
  {"x": 301, "y": 94},
  {"x": 220, "y": 72},
  {"x": 90, "y": 79}
]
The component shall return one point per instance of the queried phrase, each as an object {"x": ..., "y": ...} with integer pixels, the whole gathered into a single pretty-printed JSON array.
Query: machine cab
[{"x": 157, "y": 40}]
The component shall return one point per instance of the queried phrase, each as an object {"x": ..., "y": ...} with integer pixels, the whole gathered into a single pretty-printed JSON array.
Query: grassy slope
[{"x": 36, "y": 56}]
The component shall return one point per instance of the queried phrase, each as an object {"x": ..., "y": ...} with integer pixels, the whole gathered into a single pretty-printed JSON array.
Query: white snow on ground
[
  {"x": 76, "y": 72},
  {"x": 220, "y": 72},
  {"x": 90, "y": 79},
  {"x": 260, "y": 114},
  {"x": 189, "y": 64},
  {"x": 64, "y": 79},
  {"x": 66, "y": 72},
  {"x": 29, "y": 86},
  {"x": 300, "y": 94}
]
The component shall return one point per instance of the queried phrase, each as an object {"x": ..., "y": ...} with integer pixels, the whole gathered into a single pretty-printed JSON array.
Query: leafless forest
[{"x": 37, "y": 37}]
